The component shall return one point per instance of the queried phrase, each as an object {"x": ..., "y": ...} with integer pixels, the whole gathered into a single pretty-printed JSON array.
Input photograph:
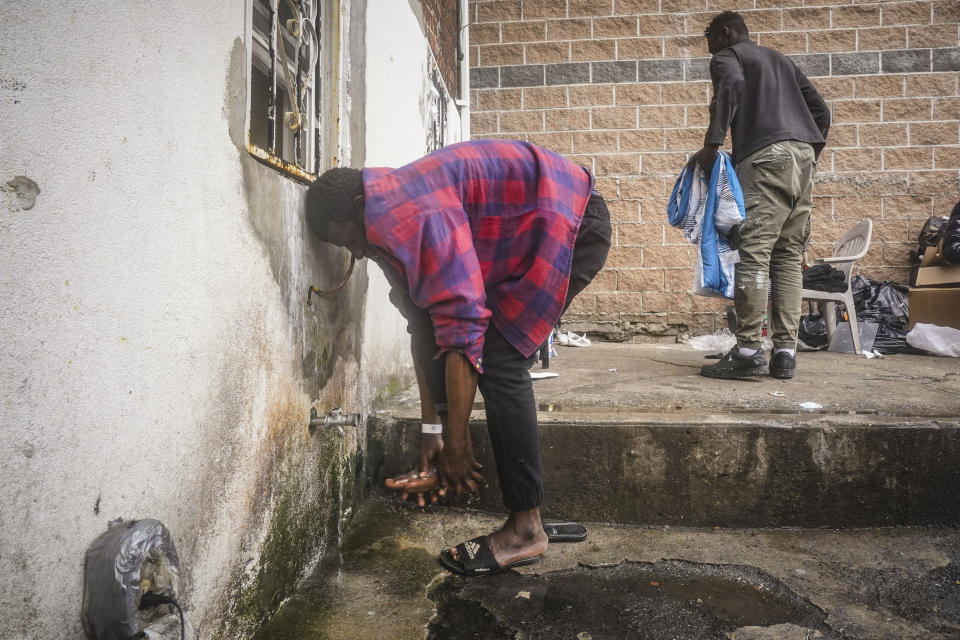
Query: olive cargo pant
[{"x": 777, "y": 183}]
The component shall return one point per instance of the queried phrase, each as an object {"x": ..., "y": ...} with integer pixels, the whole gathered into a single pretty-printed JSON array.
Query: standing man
[
  {"x": 485, "y": 244},
  {"x": 779, "y": 126},
  {"x": 950, "y": 245}
]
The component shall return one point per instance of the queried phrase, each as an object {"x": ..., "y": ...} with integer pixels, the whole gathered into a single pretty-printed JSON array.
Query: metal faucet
[{"x": 334, "y": 418}]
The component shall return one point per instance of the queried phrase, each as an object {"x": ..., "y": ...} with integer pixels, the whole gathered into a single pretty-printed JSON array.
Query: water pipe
[{"x": 336, "y": 419}]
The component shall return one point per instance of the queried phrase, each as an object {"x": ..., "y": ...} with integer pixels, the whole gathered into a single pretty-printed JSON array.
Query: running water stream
[{"x": 341, "y": 514}]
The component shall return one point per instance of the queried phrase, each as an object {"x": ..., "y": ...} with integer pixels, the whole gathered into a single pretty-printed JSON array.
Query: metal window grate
[
  {"x": 437, "y": 111},
  {"x": 285, "y": 122}
]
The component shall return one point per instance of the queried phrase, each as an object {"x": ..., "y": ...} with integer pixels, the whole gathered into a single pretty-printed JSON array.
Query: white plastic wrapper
[
  {"x": 942, "y": 341},
  {"x": 722, "y": 340}
]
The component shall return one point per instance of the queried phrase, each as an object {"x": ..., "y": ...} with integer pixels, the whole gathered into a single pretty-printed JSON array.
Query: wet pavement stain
[
  {"x": 669, "y": 599},
  {"x": 384, "y": 583},
  {"x": 378, "y": 590}
]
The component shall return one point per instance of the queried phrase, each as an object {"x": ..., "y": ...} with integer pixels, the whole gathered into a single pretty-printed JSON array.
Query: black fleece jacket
[
  {"x": 951, "y": 237},
  {"x": 763, "y": 97}
]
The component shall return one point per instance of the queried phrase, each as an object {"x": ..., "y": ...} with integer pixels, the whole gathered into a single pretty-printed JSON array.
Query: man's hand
[
  {"x": 418, "y": 485},
  {"x": 460, "y": 471},
  {"x": 438, "y": 470},
  {"x": 431, "y": 444},
  {"x": 458, "y": 468},
  {"x": 705, "y": 158},
  {"x": 423, "y": 482}
]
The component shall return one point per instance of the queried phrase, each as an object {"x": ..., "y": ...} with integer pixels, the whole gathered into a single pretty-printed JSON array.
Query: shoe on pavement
[
  {"x": 573, "y": 340},
  {"x": 736, "y": 365},
  {"x": 782, "y": 365}
]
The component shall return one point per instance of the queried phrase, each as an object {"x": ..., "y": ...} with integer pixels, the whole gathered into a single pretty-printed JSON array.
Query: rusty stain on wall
[{"x": 290, "y": 500}]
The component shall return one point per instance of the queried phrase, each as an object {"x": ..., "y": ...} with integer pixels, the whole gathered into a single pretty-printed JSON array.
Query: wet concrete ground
[
  {"x": 633, "y": 582},
  {"x": 667, "y": 582},
  {"x": 656, "y": 378}
]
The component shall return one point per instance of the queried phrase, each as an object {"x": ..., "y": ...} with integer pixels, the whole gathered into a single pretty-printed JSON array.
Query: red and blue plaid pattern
[{"x": 477, "y": 232}]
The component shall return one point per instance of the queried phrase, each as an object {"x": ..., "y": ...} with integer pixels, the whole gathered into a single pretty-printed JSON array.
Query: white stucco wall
[
  {"x": 398, "y": 86},
  {"x": 158, "y": 359},
  {"x": 153, "y": 335}
]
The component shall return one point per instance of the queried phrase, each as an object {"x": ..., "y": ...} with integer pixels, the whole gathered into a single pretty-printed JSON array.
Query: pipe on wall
[{"x": 463, "y": 101}]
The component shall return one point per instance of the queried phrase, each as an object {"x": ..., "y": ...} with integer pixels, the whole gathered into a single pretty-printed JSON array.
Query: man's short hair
[
  {"x": 730, "y": 19},
  {"x": 332, "y": 196}
]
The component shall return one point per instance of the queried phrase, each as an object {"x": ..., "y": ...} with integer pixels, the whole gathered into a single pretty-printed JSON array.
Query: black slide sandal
[
  {"x": 565, "y": 531},
  {"x": 476, "y": 559}
]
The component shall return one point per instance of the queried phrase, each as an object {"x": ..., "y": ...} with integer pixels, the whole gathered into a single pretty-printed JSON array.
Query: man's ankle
[
  {"x": 527, "y": 522},
  {"x": 747, "y": 351}
]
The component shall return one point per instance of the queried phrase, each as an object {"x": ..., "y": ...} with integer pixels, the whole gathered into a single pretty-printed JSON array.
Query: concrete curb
[{"x": 706, "y": 470}]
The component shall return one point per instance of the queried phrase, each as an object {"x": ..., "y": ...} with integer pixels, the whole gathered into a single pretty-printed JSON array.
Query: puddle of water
[
  {"x": 372, "y": 587},
  {"x": 668, "y": 599}
]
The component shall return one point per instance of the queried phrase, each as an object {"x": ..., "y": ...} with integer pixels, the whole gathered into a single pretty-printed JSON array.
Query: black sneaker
[
  {"x": 782, "y": 365},
  {"x": 736, "y": 365}
]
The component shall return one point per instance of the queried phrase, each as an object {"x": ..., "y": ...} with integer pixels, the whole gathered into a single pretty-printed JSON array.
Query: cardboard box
[
  {"x": 938, "y": 276},
  {"x": 935, "y": 305},
  {"x": 933, "y": 257}
]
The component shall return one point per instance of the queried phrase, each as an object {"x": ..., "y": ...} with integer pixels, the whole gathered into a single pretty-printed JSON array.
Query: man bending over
[{"x": 485, "y": 244}]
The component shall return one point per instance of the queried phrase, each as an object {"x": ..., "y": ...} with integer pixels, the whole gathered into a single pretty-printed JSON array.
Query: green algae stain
[
  {"x": 307, "y": 511},
  {"x": 379, "y": 590},
  {"x": 401, "y": 569},
  {"x": 378, "y": 521},
  {"x": 305, "y": 615}
]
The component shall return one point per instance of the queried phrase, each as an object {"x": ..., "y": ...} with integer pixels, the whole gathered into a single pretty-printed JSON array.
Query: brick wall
[
  {"x": 441, "y": 20},
  {"x": 622, "y": 87}
]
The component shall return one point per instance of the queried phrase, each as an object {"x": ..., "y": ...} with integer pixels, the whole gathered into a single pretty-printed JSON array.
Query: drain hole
[{"x": 667, "y": 599}]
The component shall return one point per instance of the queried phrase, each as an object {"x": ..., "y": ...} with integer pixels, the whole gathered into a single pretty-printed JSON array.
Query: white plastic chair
[{"x": 851, "y": 248}]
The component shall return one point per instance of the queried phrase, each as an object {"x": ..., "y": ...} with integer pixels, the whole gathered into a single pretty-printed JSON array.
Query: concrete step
[
  {"x": 722, "y": 470},
  {"x": 632, "y": 434}
]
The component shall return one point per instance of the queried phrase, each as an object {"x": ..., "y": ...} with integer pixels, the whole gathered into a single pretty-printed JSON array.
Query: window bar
[
  {"x": 298, "y": 132},
  {"x": 441, "y": 110},
  {"x": 272, "y": 98},
  {"x": 317, "y": 80}
]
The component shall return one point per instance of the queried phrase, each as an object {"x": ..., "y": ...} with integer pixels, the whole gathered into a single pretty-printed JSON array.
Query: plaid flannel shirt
[{"x": 480, "y": 232}]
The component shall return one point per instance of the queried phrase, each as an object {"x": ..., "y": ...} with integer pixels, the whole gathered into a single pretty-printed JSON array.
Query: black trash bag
[
  {"x": 131, "y": 560},
  {"x": 887, "y": 304},
  {"x": 892, "y": 338},
  {"x": 812, "y": 333}
]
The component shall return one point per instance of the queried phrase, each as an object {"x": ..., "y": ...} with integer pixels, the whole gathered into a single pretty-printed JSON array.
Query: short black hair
[
  {"x": 332, "y": 196},
  {"x": 730, "y": 19}
]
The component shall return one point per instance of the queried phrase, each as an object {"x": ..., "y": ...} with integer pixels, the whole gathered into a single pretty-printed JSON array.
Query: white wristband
[{"x": 431, "y": 428}]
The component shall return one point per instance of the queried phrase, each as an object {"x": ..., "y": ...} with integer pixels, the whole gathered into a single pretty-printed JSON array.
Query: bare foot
[{"x": 521, "y": 536}]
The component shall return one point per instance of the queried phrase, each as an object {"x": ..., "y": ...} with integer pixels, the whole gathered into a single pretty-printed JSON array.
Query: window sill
[{"x": 291, "y": 170}]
